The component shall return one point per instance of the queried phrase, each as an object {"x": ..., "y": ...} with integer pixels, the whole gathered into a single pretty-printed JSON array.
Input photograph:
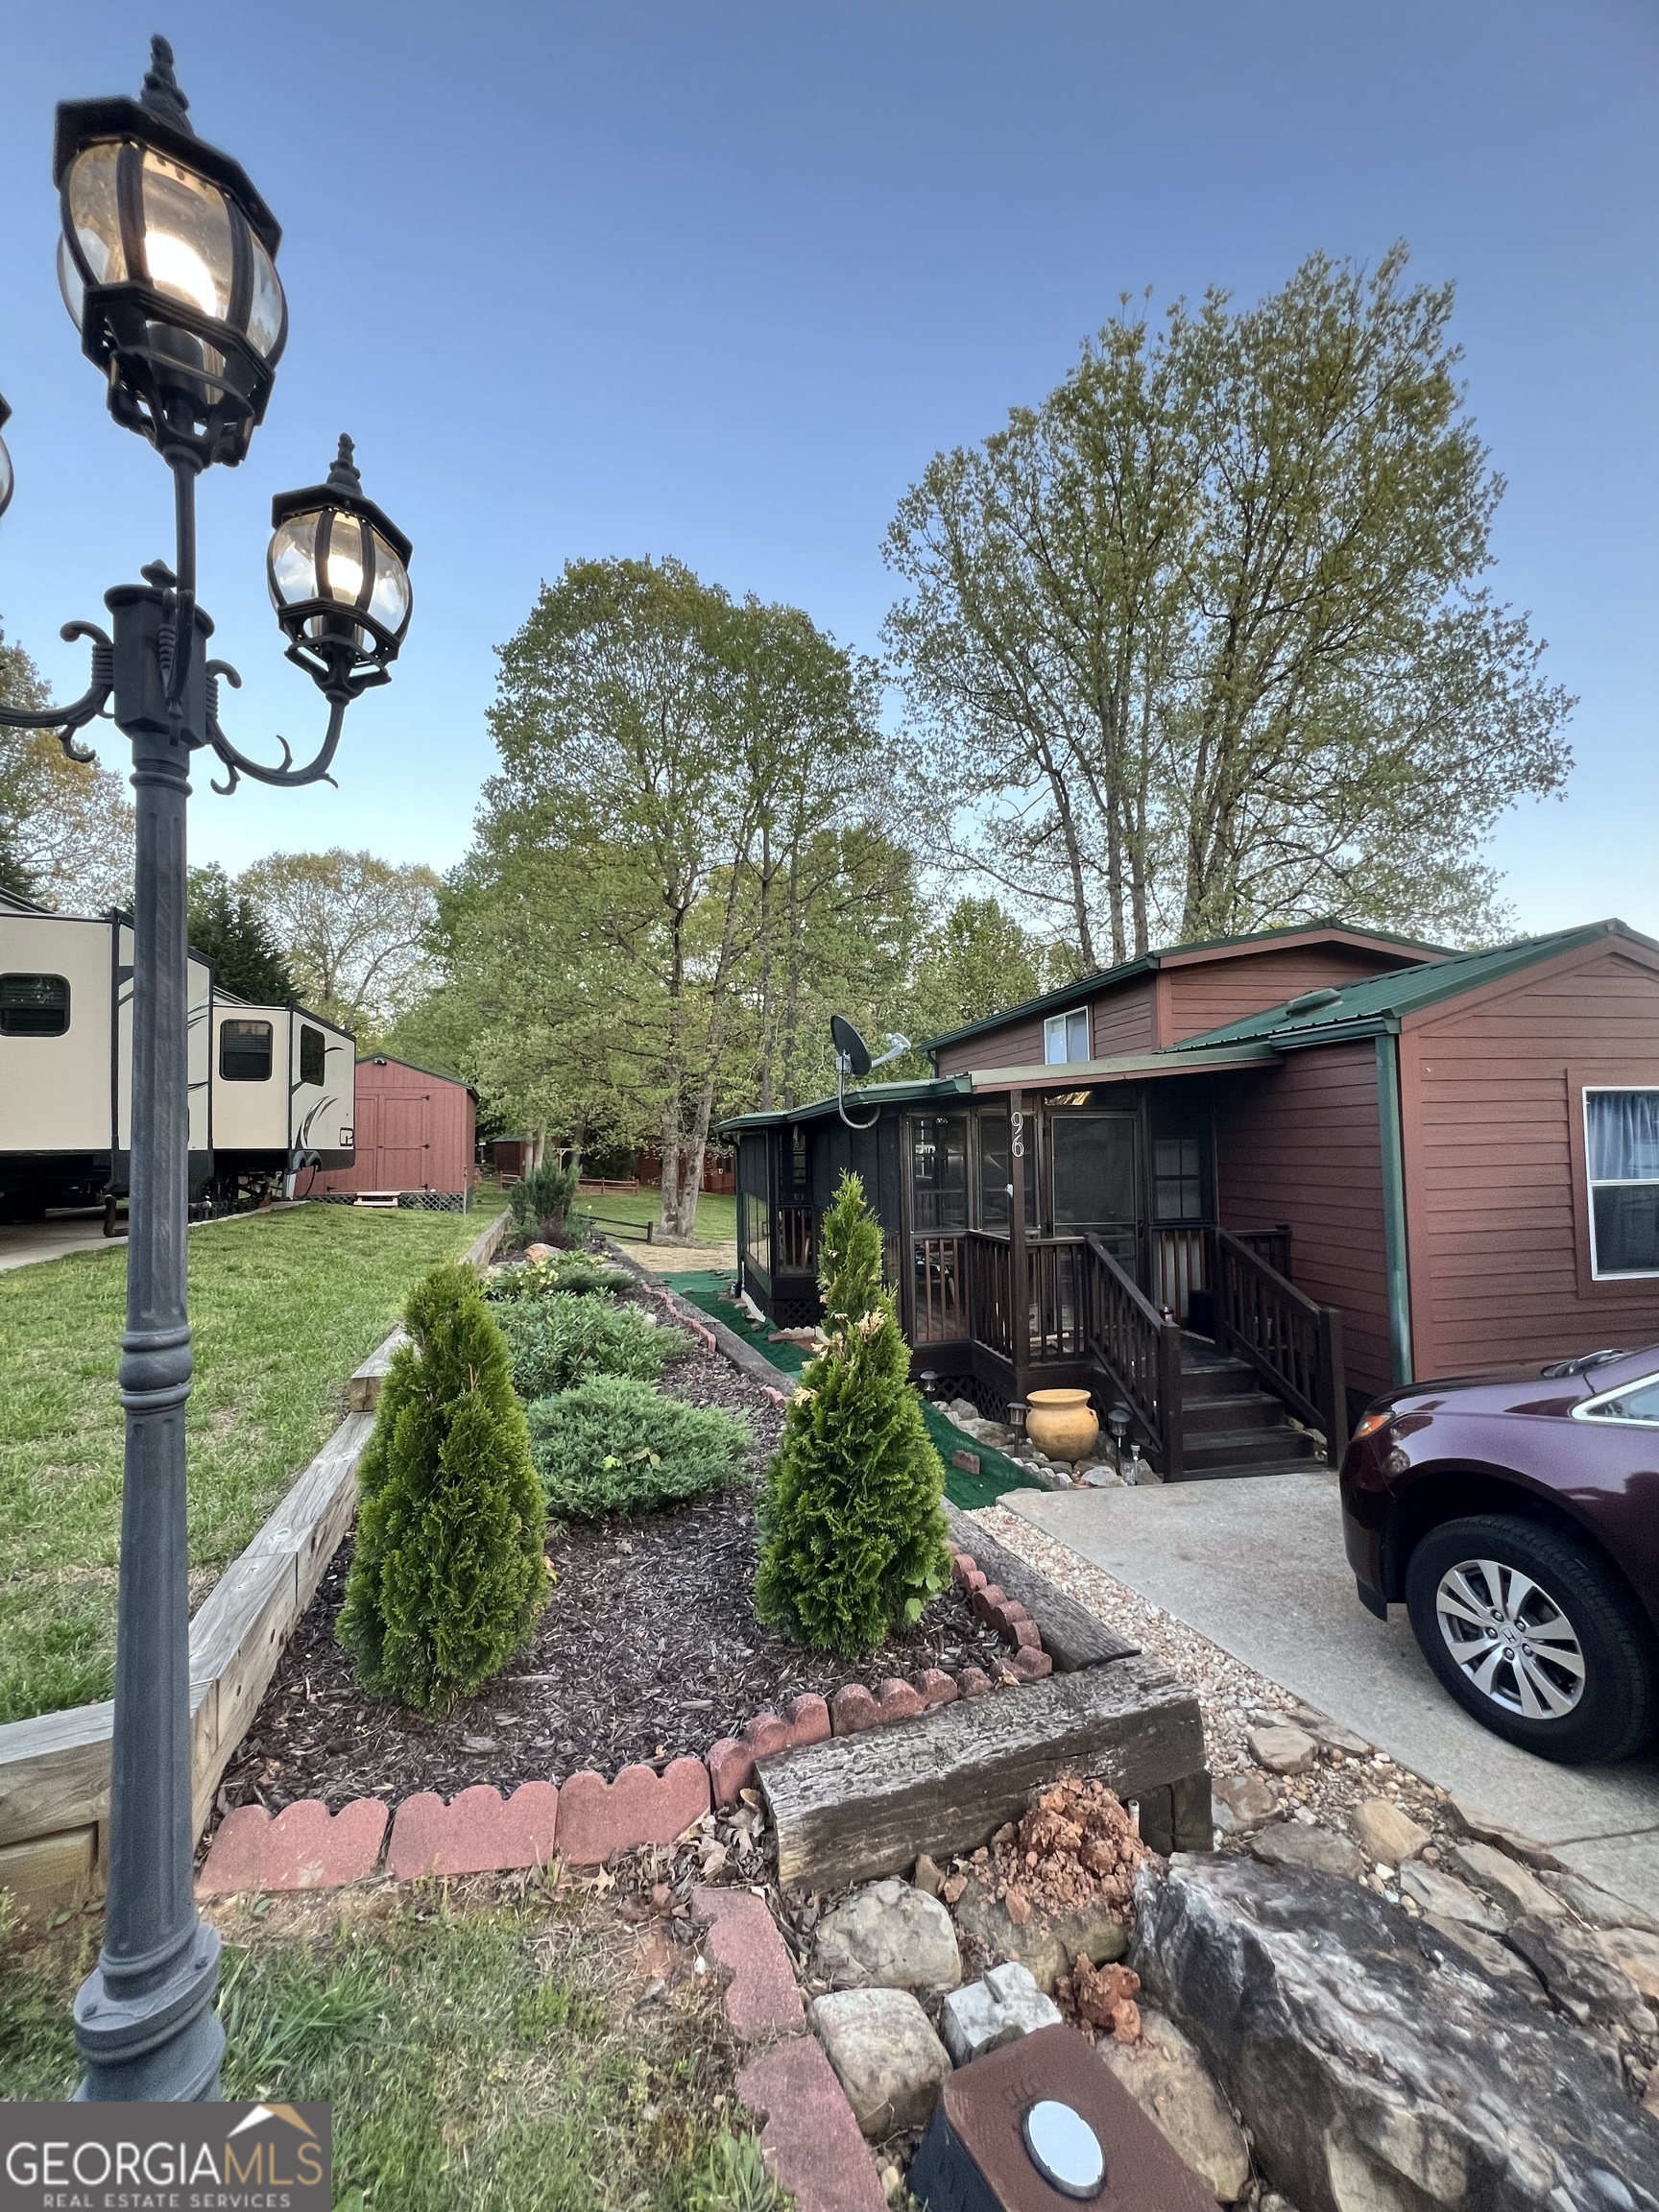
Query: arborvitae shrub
[
  {"x": 614, "y": 1445},
  {"x": 541, "y": 1201},
  {"x": 449, "y": 1573},
  {"x": 853, "y": 1535},
  {"x": 557, "y": 1343}
]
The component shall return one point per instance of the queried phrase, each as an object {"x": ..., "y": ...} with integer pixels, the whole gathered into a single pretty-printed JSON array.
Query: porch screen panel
[
  {"x": 996, "y": 1173},
  {"x": 939, "y": 1172},
  {"x": 1094, "y": 1171},
  {"x": 1621, "y": 1146}
]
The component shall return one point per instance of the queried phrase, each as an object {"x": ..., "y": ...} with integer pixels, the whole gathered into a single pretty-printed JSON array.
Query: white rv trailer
[
  {"x": 284, "y": 1096},
  {"x": 67, "y": 1059}
]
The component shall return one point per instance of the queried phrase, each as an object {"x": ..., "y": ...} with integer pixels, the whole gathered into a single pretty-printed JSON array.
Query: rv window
[
  {"x": 1066, "y": 1037},
  {"x": 313, "y": 1055},
  {"x": 1621, "y": 1146},
  {"x": 34, "y": 1005},
  {"x": 245, "y": 1051}
]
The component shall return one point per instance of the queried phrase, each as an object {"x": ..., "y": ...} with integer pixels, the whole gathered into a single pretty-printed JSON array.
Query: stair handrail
[
  {"x": 1138, "y": 1348},
  {"x": 1294, "y": 1342}
]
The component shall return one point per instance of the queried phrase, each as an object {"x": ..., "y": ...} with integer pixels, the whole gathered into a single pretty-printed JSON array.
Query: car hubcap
[{"x": 1510, "y": 1639}]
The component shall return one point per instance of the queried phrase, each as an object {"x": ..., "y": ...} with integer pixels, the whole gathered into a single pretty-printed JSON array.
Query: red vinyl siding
[
  {"x": 1122, "y": 1019},
  {"x": 414, "y": 1132},
  {"x": 1301, "y": 1145},
  {"x": 1019, "y": 1045},
  {"x": 1497, "y": 1201},
  {"x": 1209, "y": 994}
]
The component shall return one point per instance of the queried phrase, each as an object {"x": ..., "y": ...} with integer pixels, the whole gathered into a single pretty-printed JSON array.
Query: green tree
[
  {"x": 355, "y": 932},
  {"x": 1202, "y": 643},
  {"x": 853, "y": 1535},
  {"x": 450, "y": 1575},
  {"x": 227, "y": 925},
  {"x": 65, "y": 826},
  {"x": 976, "y": 961}
]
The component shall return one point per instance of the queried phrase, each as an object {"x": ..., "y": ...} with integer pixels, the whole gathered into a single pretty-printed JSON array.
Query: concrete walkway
[
  {"x": 1258, "y": 1567},
  {"x": 23, "y": 1242}
]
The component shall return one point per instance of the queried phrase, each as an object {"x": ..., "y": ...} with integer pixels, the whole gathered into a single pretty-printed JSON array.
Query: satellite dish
[{"x": 851, "y": 1053}]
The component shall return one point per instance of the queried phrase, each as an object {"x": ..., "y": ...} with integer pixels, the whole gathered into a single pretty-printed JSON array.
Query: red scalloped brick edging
[
  {"x": 599, "y": 1819},
  {"x": 304, "y": 1847},
  {"x": 731, "y": 1761},
  {"x": 475, "y": 1834},
  {"x": 811, "y": 2138},
  {"x": 761, "y": 1998}
]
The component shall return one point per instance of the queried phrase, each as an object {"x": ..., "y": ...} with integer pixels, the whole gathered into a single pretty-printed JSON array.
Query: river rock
[
  {"x": 1449, "y": 1899},
  {"x": 1294, "y": 1843},
  {"x": 1168, "y": 2079},
  {"x": 1283, "y": 1749},
  {"x": 1371, "y": 2072},
  {"x": 1636, "y": 1953},
  {"x": 1386, "y": 1835},
  {"x": 1505, "y": 1880},
  {"x": 1047, "y": 1943},
  {"x": 886, "y": 2057},
  {"x": 1006, "y": 2005},
  {"x": 1579, "y": 1976},
  {"x": 1249, "y": 1798},
  {"x": 889, "y": 1937}
]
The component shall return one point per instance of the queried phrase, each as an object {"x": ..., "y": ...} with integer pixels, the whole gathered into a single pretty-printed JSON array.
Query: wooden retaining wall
[{"x": 55, "y": 1768}]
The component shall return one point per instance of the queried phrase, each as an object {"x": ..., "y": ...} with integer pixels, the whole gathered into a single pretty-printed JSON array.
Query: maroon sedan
[{"x": 1517, "y": 1517}]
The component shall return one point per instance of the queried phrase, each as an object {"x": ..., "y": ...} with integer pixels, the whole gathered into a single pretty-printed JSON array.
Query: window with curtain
[
  {"x": 1066, "y": 1037},
  {"x": 1622, "y": 1147}
]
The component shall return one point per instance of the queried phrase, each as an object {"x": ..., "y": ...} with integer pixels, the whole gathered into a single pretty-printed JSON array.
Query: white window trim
[
  {"x": 1062, "y": 1022},
  {"x": 1593, "y": 1184}
]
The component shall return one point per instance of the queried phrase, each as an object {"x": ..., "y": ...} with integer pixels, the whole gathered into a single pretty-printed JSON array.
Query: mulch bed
[{"x": 649, "y": 1649}]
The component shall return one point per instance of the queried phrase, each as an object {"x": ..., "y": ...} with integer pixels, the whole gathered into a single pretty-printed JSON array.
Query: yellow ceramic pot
[{"x": 1062, "y": 1424}]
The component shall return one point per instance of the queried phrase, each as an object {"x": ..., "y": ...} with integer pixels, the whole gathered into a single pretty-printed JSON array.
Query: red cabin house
[{"x": 415, "y": 1131}]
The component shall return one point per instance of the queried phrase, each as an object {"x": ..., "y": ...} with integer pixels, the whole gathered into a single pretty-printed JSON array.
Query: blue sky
[{"x": 716, "y": 280}]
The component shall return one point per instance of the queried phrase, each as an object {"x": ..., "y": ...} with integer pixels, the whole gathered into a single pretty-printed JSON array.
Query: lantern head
[
  {"x": 339, "y": 575},
  {"x": 167, "y": 263}
]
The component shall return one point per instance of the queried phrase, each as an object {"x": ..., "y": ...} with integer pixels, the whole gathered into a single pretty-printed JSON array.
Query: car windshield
[{"x": 1640, "y": 1404}]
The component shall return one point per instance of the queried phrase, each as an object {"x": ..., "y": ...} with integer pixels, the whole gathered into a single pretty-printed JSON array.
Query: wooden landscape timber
[
  {"x": 1072, "y": 1638},
  {"x": 55, "y": 1768},
  {"x": 860, "y": 1807}
]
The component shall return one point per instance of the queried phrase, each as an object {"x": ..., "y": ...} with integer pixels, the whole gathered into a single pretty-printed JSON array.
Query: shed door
[{"x": 405, "y": 1140}]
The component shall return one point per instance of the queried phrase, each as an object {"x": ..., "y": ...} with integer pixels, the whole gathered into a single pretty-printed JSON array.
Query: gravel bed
[
  {"x": 1233, "y": 1697},
  {"x": 649, "y": 1649}
]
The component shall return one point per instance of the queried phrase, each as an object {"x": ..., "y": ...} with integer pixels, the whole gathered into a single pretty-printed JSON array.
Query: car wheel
[{"x": 1533, "y": 1636}]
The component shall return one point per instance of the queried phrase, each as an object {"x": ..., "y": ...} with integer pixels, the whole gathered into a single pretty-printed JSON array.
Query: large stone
[
  {"x": 889, "y": 1937},
  {"x": 1598, "y": 1907},
  {"x": 1169, "y": 2081},
  {"x": 1485, "y": 1830},
  {"x": 1492, "y": 1956},
  {"x": 1505, "y": 1880},
  {"x": 1373, "y": 2074},
  {"x": 1049, "y": 1944},
  {"x": 1387, "y": 1836},
  {"x": 1249, "y": 1798},
  {"x": 1449, "y": 1899},
  {"x": 1294, "y": 1843},
  {"x": 885, "y": 2056},
  {"x": 1000, "y": 2008},
  {"x": 1636, "y": 1953},
  {"x": 1283, "y": 1749},
  {"x": 1579, "y": 1976}
]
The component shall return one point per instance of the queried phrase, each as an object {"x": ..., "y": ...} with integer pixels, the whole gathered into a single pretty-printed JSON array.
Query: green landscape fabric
[{"x": 711, "y": 1293}]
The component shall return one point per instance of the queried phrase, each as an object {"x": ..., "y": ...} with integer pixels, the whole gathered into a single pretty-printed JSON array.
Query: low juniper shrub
[
  {"x": 852, "y": 1536},
  {"x": 449, "y": 1573},
  {"x": 580, "y": 1273},
  {"x": 541, "y": 1201},
  {"x": 560, "y": 1342},
  {"x": 613, "y": 1445}
]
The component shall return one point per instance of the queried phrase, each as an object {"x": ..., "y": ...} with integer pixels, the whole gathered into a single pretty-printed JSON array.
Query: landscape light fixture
[{"x": 168, "y": 265}]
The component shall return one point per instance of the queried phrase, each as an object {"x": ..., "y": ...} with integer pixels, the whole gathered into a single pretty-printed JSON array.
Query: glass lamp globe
[
  {"x": 6, "y": 479},
  {"x": 167, "y": 263},
  {"x": 339, "y": 573}
]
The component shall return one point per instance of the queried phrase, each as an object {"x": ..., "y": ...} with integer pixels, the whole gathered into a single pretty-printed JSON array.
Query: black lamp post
[{"x": 167, "y": 263}]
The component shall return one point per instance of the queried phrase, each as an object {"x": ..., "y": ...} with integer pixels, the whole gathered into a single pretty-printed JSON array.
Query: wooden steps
[{"x": 1231, "y": 1427}]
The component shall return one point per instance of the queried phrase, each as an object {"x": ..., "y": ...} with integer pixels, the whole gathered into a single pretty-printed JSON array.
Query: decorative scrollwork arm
[
  {"x": 285, "y": 774},
  {"x": 66, "y": 720}
]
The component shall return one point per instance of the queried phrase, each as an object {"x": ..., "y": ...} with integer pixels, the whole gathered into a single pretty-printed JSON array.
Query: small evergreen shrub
[
  {"x": 559, "y": 1341},
  {"x": 853, "y": 1538},
  {"x": 541, "y": 1201},
  {"x": 582, "y": 1273},
  {"x": 450, "y": 1575},
  {"x": 614, "y": 1446}
]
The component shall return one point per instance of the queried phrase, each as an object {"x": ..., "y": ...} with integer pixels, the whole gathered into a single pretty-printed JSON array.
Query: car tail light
[{"x": 1370, "y": 1425}]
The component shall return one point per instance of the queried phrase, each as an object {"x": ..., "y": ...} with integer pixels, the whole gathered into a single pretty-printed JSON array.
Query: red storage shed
[{"x": 415, "y": 1131}]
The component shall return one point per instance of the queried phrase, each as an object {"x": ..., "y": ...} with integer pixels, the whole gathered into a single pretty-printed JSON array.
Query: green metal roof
[
  {"x": 866, "y": 1095},
  {"x": 1148, "y": 963},
  {"x": 1382, "y": 1002}
]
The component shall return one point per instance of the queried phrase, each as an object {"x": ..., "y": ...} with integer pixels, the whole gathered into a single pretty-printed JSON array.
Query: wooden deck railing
[
  {"x": 794, "y": 1248},
  {"x": 1058, "y": 1320},
  {"x": 1126, "y": 1333},
  {"x": 990, "y": 1307},
  {"x": 1294, "y": 1344},
  {"x": 937, "y": 1285}
]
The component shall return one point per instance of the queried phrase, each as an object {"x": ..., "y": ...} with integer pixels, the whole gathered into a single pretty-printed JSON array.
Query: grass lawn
[
  {"x": 284, "y": 1307},
  {"x": 716, "y": 1216},
  {"x": 486, "y": 2048}
]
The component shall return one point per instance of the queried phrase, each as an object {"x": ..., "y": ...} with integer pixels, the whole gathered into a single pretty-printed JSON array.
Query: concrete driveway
[
  {"x": 23, "y": 1242},
  {"x": 1258, "y": 1567}
]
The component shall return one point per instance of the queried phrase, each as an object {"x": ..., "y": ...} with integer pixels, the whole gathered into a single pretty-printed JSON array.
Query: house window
[
  {"x": 34, "y": 1005},
  {"x": 1066, "y": 1037},
  {"x": 1176, "y": 1164},
  {"x": 313, "y": 1055},
  {"x": 245, "y": 1051},
  {"x": 1621, "y": 1146}
]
